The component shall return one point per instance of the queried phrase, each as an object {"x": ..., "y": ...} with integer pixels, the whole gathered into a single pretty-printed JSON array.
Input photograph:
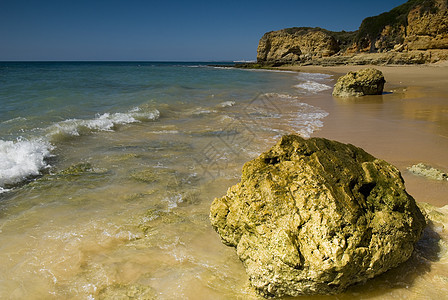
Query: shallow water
[{"x": 128, "y": 159}]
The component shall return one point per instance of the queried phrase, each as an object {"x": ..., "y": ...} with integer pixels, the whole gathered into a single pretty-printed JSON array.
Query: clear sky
[{"x": 191, "y": 30}]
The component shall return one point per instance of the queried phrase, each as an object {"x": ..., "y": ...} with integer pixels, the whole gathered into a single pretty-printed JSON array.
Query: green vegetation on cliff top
[
  {"x": 371, "y": 27},
  {"x": 344, "y": 38}
]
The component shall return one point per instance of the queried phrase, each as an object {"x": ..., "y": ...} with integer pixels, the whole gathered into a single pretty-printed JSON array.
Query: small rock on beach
[{"x": 368, "y": 81}]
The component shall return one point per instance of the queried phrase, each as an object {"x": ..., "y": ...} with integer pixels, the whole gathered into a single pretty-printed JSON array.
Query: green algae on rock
[
  {"x": 368, "y": 81},
  {"x": 316, "y": 216}
]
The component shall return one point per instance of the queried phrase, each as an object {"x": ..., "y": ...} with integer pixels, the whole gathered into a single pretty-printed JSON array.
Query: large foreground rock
[
  {"x": 315, "y": 216},
  {"x": 364, "y": 82}
]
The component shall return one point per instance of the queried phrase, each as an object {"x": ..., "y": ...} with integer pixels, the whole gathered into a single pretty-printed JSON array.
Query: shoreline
[
  {"x": 69, "y": 227},
  {"x": 405, "y": 126}
]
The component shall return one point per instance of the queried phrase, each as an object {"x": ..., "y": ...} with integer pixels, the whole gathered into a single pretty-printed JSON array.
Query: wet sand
[
  {"x": 137, "y": 223},
  {"x": 406, "y": 125}
]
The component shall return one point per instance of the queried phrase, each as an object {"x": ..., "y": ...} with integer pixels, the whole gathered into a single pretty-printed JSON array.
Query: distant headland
[{"x": 415, "y": 32}]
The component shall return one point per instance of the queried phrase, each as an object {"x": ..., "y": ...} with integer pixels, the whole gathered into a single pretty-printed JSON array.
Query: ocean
[{"x": 108, "y": 170}]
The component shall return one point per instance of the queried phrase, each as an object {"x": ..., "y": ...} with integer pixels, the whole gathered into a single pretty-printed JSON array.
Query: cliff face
[
  {"x": 428, "y": 28},
  {"x": 295, "y": 44},
  {"x": 414, "y": 25}
]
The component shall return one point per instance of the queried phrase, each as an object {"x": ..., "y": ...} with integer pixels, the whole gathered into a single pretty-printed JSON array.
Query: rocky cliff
[
  {"x": 428, "y": 27},
  {"x": 294, "y": 44},
  {"x": 413, "y": 27}
]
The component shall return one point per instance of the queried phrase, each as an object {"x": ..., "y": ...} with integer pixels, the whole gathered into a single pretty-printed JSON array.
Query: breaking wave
[
  {"x": 24, "y": 158},
  {"x": 104, "y": 122},
  {"x": 21, "y": 159}
]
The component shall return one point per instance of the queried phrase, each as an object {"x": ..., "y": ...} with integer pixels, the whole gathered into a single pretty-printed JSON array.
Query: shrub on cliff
[{"x": 372, "y": 27}]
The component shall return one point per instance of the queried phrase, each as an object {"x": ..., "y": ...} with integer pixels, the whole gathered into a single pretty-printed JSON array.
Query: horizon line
[{"x": 92, "y": 60}]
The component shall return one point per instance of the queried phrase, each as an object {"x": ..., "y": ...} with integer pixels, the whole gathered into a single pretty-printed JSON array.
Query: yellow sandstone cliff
[{"x": 414, "y": 32}]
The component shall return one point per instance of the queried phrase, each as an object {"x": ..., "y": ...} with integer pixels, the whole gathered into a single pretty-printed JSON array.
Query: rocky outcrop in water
[
  {"x": 315, "y": 216},
  {"x": 364, "y": 82},
  {"x": 414, "y": 27}
]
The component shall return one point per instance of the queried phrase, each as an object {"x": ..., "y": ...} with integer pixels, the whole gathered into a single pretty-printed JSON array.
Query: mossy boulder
[
  {"x": 368, "y": 81},
  {"x": 315, "y": 216}
]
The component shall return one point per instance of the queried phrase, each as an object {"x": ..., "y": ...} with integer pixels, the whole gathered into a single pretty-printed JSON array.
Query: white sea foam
[
  {"x": 18, "y": 119},
  {"x": 165, "y": 132},
  {"x": 200, "y": 111},
  {"x": 173, "y": 201},
  {"x": 309, "y": 120},
  {"x": 227, "y": 103},
  {"x": 21, "y": 159},
  {"x": 2, "y": 190},
  {"x": 223, "y": 68},
  {"x": 281, "y": 96},
  {"x": 104, "y": 122},
  {"x": 303, "y": 118},
  {"x": 312, "y": 76},
  {"x": 24, "y": 158},
  {"x": 313, "y": 86},
  {"x": 313, "y": 82}
]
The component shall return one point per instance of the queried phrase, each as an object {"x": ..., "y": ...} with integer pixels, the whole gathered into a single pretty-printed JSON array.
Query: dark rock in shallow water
[
  {"x": 315, "y": 216},
  {"x": 364, "y": 82}
]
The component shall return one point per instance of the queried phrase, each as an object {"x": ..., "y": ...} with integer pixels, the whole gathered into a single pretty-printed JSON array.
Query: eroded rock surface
[
  {"x": 315, "y": 216},
  {"x": 296, "y": 44},
  {"x": 428, "y": 26},
  {"x": 368, "y": 81},
  {"x": 415, "y": 32}
]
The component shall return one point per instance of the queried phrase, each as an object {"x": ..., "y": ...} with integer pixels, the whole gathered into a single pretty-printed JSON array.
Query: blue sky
[{"x": 163, "y": 30}]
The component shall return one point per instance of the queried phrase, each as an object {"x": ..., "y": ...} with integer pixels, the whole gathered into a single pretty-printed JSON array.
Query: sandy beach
[
  {"x": 125, "y": 207},
  {"x": 406, "y": 125}
]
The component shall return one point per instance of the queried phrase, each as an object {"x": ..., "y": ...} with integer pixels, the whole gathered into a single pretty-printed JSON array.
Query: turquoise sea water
[
  {"x": 108, "y": 171},
  {"x": 44, "y": 104}
]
